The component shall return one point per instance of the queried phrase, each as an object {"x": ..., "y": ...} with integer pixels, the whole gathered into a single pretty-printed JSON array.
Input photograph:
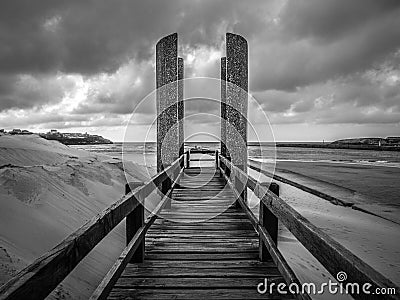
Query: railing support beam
[
  {"x": 134, "y": 221},
  {"x": 165, "y": 187},
  {"x": 242, "y": 188},
  {"x": 269, "y": 221}
]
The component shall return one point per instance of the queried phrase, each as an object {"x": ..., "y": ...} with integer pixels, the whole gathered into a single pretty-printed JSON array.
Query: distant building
[
  {"x": 53, "y": 133},
  {"x": 393, "y": 139},
  {"x": 15, "y": 131},
  {"x": 74, "y": 138}
]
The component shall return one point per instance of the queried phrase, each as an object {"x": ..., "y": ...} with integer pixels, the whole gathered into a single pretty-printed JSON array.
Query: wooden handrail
[
  {"x": 332, "y": 255},
  {"x": 40, "y": 278},
  {"x": 113, "y": 274},
  {"x": 265, "y": 237},
  {"x": 204, "y": 151}
]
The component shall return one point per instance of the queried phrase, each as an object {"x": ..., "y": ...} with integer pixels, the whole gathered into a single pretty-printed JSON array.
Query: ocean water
[{"x": 145, "y": 153}]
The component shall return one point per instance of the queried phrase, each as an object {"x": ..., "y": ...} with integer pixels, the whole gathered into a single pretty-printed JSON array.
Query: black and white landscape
[{"x": 326, "y": 74}]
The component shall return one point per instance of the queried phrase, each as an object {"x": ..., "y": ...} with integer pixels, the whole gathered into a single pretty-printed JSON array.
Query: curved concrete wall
[
  {"x": 236, "y": 99},
  {"x": 167, "y": 97}
]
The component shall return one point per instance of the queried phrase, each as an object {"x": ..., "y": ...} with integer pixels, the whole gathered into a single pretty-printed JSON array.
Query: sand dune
[{"x": 48, "y": 190}]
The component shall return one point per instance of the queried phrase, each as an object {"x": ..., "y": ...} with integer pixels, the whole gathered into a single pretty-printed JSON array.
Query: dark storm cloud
[
  {"x": 304, "y": 61},
  {"x": 79, "y": 36},
  {"x": 27, "y": 91},
  {"x": 330, "y": 19},
  {"x": 95, "y": 36},
  {"x": 318, "y": 40},
  {"x": 349, "y": 100}
]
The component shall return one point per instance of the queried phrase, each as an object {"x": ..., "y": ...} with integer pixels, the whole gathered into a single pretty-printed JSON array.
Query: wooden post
[
  {"x": 216, "y": 160},
  {"x": 166, "y": 187},
  {"x": 188, "y": 159},
  {"x": 228, "y": 170},
  {"x": 242, "y": 188},
  {"x": 134, "y": 221},
  {"x": 269, "y": 221}
]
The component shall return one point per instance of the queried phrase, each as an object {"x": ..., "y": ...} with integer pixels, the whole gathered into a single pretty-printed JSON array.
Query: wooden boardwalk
[
  {"x": 204, "y": 255},
  {"x": 207, "y": 244}
]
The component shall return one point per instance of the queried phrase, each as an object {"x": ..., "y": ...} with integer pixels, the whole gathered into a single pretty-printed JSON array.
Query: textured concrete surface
[
  {"x": 223, "y": 106},
  {"x": 236, "y": 98},
  {"x": 167, "y": 100},
  {"x": 181, "y": 107}
]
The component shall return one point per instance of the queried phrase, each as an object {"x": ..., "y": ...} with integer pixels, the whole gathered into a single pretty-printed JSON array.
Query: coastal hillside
[
  {"x": 373, "y": 141},
  {"x": 47, "y": 191}
]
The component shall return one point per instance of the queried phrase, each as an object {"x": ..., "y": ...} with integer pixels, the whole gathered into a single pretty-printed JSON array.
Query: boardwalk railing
[
  {"x": 40, "y": 278},
  {"x": 333, "y": 256}
]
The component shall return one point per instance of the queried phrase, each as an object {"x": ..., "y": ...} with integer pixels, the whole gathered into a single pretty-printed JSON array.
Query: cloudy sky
[{"x": 320, "y": 69}]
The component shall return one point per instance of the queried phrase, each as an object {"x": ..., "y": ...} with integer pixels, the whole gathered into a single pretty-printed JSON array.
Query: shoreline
[{"x": 330, "y": 146}]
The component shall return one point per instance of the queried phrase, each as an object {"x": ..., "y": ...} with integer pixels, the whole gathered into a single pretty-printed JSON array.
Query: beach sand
[
  {"x": 375, "y": 189},
  {"x": 47, "y": 191}
]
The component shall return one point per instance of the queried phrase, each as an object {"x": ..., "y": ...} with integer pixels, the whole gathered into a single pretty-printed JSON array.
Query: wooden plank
[
  {"x": 203, "y": 209},
  {"x": 194, "y": 213},
  {"x": 193, "y": 283},
  {"x": 192, "y": 216},
  {"x": 203, "y": 226},
  {"x": 215, "y": 222},
  {"x": 160, "y": 294},
  {"x": 200, "y": 159},
  {"x": 203, "y": 264},
  {"x": 203, "y": 248},
  {"x": 199, "y": 239},
  {"x": 184, "y": 234},
  {"x": 199, "y": 256},
  {"x": 192, "y": 244},
  {"x": 214, "y": 248},
  {"x": 204, "y": 272}
]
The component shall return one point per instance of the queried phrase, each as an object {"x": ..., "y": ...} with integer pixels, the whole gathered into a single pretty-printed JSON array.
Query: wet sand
[
  {"x": 378, "y": 184},
  {"x": 369, "y": 188}
]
